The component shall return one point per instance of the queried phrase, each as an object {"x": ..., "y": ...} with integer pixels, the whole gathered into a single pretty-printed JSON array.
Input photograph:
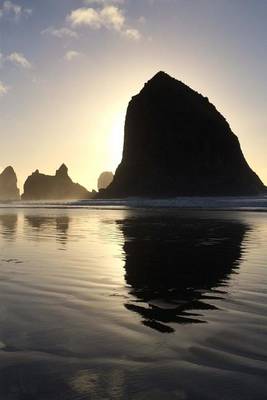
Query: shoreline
[{"x": 231, "y": 203}]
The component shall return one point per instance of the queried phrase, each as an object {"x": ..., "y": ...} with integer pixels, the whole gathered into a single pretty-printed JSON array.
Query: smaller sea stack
[
  {"x": 104, "y": 180},
  {"x": 8, "y": 185},
  {"x": 53, "y": 187}
]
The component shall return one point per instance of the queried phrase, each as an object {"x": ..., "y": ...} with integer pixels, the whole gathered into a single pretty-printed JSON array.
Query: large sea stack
[
  {"x": 8, "y": 185},
  {"x": 57, "y": 187},
  {"x": 177, "y": 144}
]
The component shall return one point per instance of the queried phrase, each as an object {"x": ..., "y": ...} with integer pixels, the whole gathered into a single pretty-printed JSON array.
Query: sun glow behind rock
[{"x": 116, "y": 139}]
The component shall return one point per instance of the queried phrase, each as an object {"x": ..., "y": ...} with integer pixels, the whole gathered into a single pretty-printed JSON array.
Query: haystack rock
[
  {"x": 177, "y": 144},
  {"x": 105, "y": 180},
  {"x": 57, "y": 187},
  {"x": 8, "y": 185}
]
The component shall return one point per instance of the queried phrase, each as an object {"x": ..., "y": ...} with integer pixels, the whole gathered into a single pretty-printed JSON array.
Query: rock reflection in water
[
  {"x": 42, "y": 224},
  {"x": 8, "y": 226},
  {"x": 174, "y": 266}
]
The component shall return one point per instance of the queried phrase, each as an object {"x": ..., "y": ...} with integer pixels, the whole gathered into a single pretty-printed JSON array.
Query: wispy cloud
[
  {"x": 60, "y": 32},
  {"x": 3, "y": 89},
  {"x": 85, "y": 16},
  {"x": 13, "y": 10},
  {"x": 133, "y": 34},
  {"x": 110, "y": 17},
  {"x": 142, "y": 20},
  {"x": 71, "y": 55},
  {"x": 19, "y": 59},
  {"x": 103, "y": 2}
]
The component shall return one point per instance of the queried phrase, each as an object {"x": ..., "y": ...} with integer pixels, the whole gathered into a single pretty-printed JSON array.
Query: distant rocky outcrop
[
  {"x": 104, "y": 180},
  {"x": 8, "y": 185},
  {"x": 58, "y": 187},
  {"x": 177, "y": 144}
]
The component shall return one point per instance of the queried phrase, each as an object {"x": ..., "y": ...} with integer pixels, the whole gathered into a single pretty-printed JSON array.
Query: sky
[{"x": 68, "y": 69}]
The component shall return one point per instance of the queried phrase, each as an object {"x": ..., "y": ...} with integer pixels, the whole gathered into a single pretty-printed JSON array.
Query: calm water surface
[{"x": 133, "y": 304}]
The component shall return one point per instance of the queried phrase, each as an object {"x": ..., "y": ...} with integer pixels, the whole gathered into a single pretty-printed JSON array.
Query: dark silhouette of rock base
[
  {"x": 177, "y": 144},
  {"x": 8, "y": 185},
  {"x": 58, "y": 187}
]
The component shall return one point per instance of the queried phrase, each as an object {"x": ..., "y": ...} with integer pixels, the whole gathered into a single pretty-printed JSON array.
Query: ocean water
[{"x": 115, "y": 301}]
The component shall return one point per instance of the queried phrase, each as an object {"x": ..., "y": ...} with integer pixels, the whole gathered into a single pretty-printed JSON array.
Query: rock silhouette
[
  {"x": 8, "y": 185},
  {"x": 58, "y": 187},
  {"x": 177, "y": 144},
  {"x": 105, "y": 180}
]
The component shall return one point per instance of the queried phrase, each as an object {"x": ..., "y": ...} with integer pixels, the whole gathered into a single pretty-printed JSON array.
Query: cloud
[
  {"x": 13, "y": 10},
  {"x": 3, "y": 89},
  {"x": 85, "y": 16},
  {"x": 103, "y": 2},
  {"x": 60, "y": 32},
  {"x": 133, "y": 34},
  {"x": 71, "y": 55},
  {"x": 110, "y": 17},
  {"x": 19, "y": 59}
]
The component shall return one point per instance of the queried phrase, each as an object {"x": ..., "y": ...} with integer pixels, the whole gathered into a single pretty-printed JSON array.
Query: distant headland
[{"x": 176, "y": 143}]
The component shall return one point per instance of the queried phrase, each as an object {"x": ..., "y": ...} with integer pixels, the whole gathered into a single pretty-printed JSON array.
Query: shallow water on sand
[{"x": 133, "y": 304}]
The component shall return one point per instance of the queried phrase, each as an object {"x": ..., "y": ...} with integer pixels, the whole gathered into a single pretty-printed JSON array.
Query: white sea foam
[{"x": 255, "y": 203}]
